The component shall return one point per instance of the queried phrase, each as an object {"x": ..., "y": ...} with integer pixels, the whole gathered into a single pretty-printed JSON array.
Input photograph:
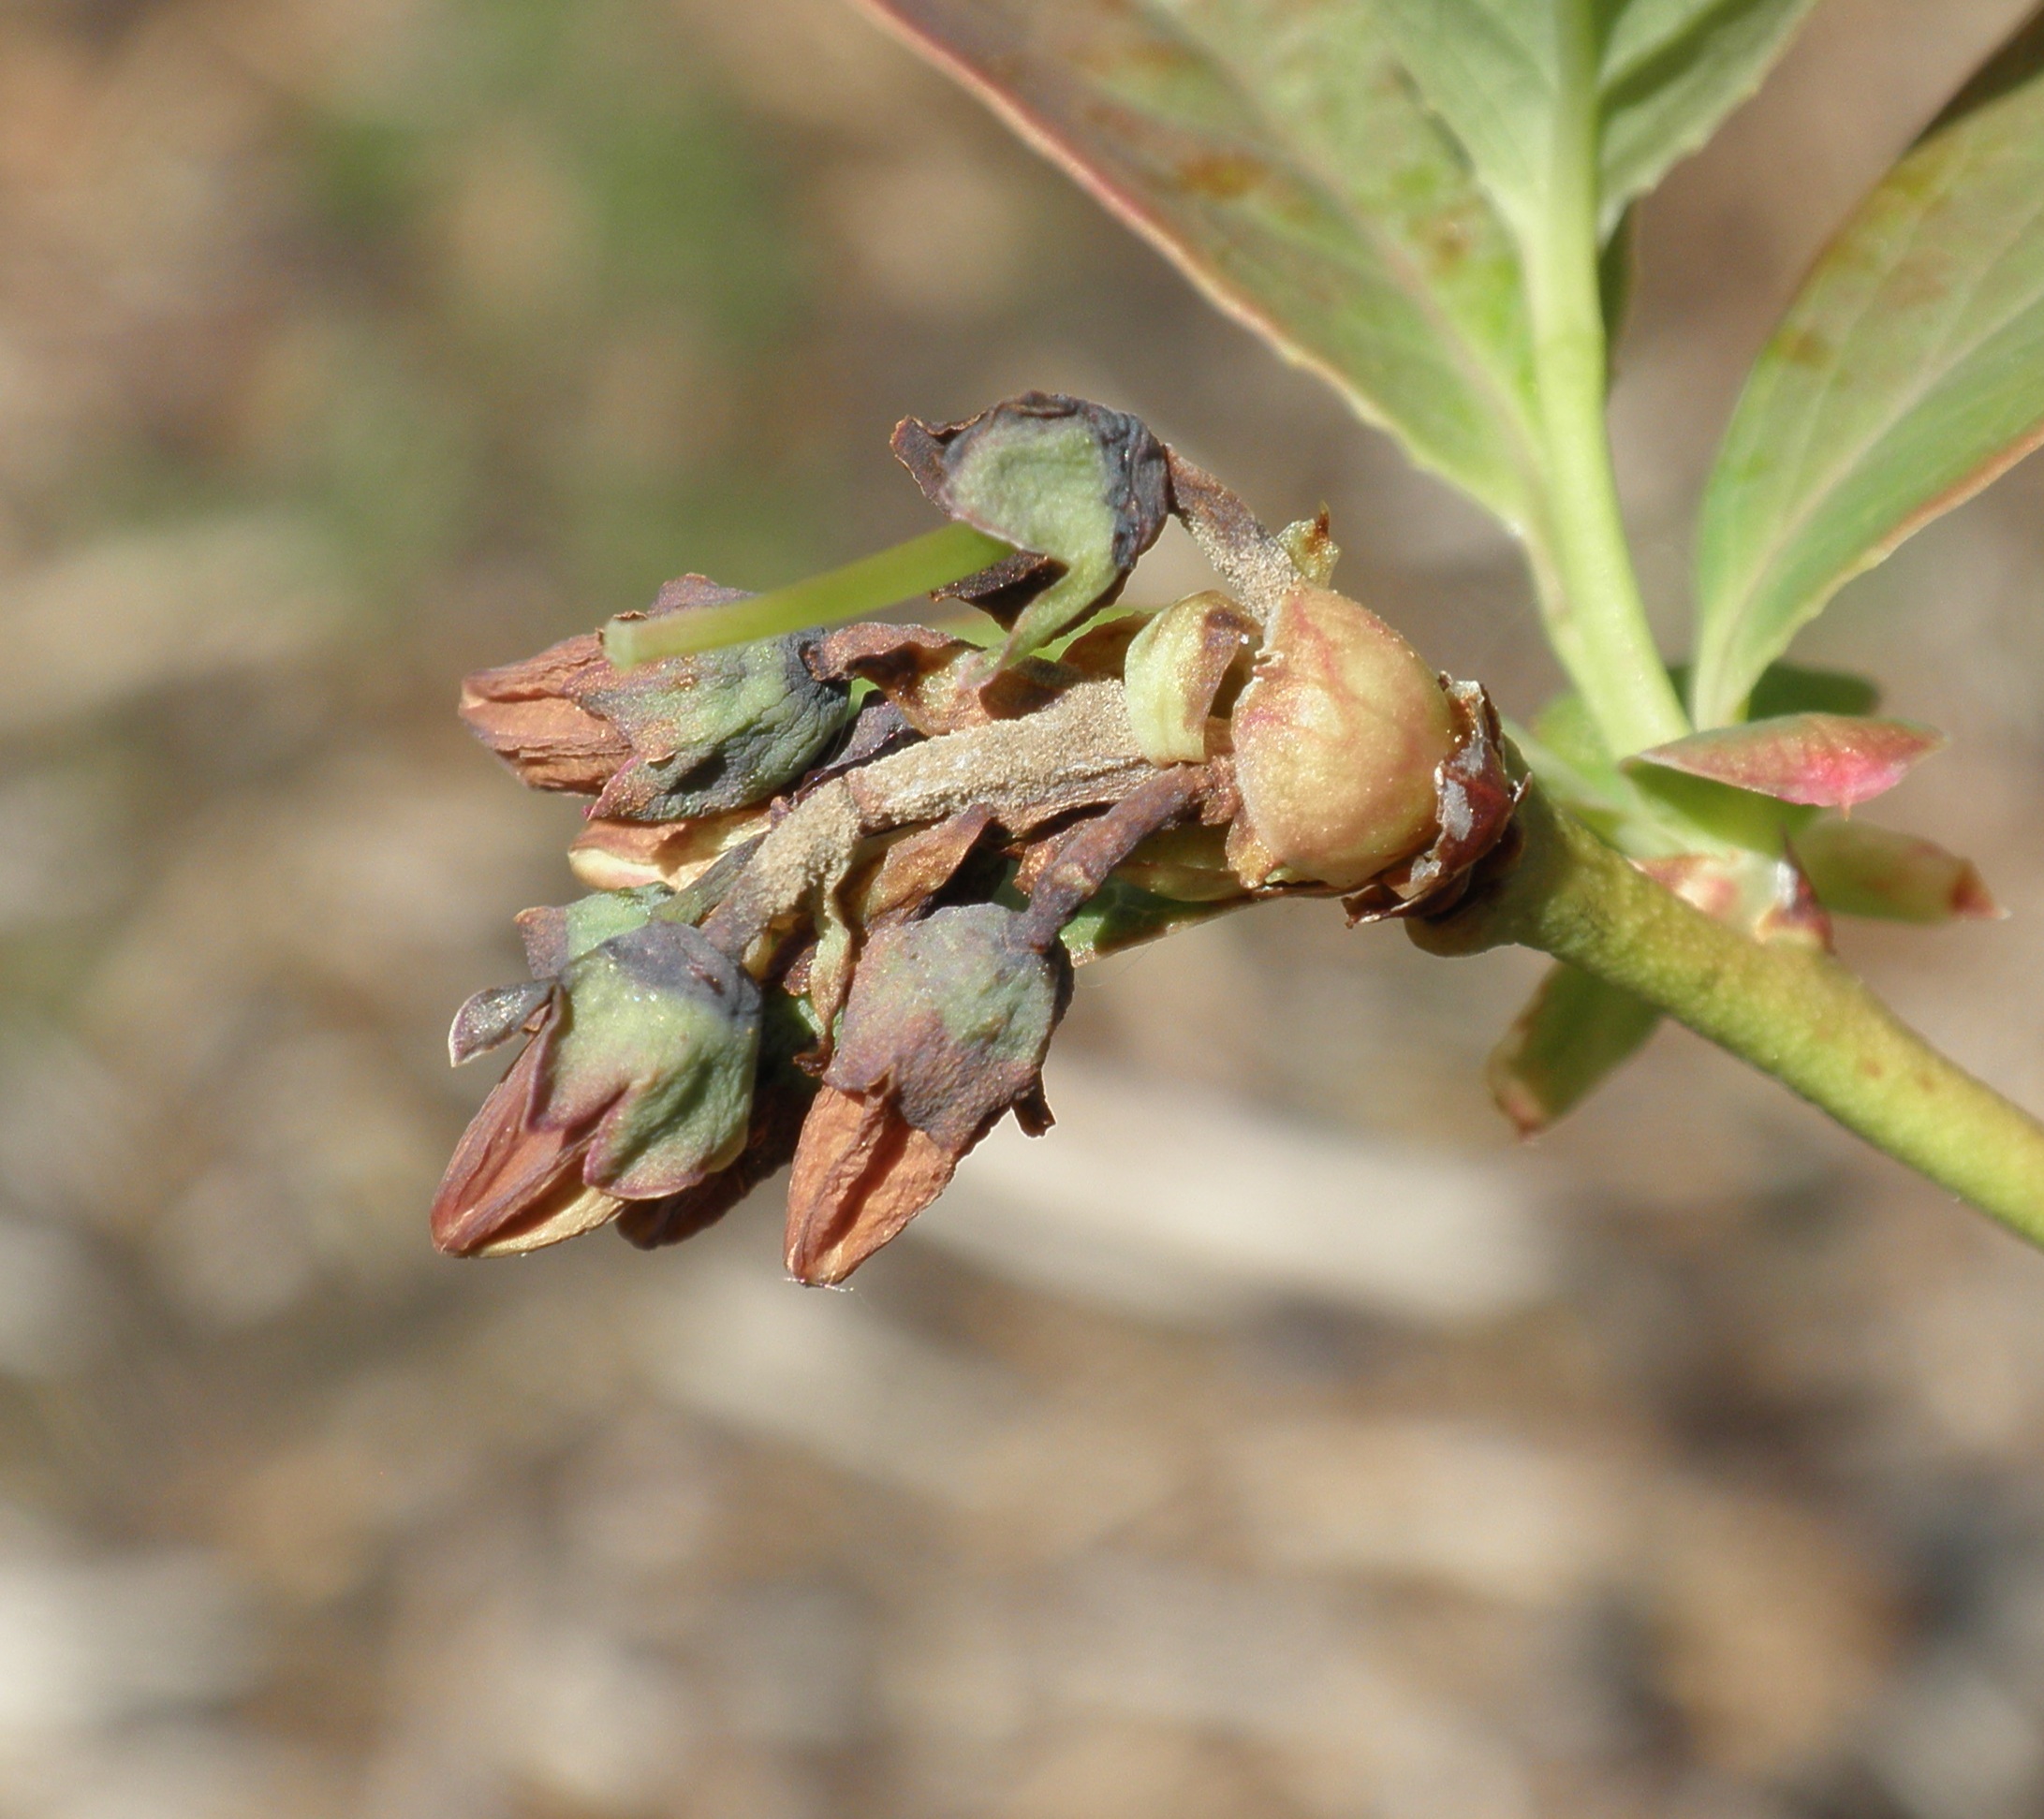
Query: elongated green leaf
[
  {"x": 1536, "y": 89},
  {"x": 1275, "y": 150},
  {"x": 1669, "y": 72},
  {"x": 1907, "y": 375}
]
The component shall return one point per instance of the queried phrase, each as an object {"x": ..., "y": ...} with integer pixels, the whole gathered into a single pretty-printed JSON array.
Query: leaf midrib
[{"x": 1396, "y": 257}]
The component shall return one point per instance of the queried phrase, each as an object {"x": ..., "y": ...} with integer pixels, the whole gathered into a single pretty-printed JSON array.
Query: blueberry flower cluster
[{"x": 841, "y": 878}]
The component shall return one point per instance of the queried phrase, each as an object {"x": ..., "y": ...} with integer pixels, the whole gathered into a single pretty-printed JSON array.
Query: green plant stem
[
  {"x": 1595, "y": 612},
  {"x": 870, "y": 584},
  {"x": 1792, "y": 1012}
]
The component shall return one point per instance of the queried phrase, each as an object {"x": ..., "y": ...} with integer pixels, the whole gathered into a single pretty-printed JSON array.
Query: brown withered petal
[
  {"x": 1002, "y": 589},
  {"x": 619, "y": 855},
  {"x": 925, "y": 674},
  {"x": 624, "y": 854},
  {"x": 1078, "y": 864},
  {"x": 914, "y": 868},
  {"x": 862, "y": 1173},
  {"x": 938, "y": 684},
  {"x": 504, "y": 1177},
  {"x": 528, "y": 713},
  {"x": 567, "y": 1210}
]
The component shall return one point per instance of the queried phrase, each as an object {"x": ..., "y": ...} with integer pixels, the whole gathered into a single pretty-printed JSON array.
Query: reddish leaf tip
[{"x": 1818, "y": 760}]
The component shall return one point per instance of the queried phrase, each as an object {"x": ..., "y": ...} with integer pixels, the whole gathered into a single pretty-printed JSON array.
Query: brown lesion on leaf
[{"x": 1219, "y": 176}]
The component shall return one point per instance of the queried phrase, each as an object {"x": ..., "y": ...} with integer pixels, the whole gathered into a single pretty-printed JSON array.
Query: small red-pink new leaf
[{"x": 1820, "y": 760}]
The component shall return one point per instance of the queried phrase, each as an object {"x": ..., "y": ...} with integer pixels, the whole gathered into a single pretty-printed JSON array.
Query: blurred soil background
[{"x": 1276, "y": 1438}]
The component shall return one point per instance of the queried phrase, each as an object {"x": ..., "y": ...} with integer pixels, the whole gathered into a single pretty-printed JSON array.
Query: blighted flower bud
[
  {"x": 637, "y": 1083},
  {"x": 1337, "y": 739},
  {"x": 653, "y": 1055},
  {"x": 782, "y": 1096},
  {"x": 945, "y": 1030},
  {"x": 782, "y": 898},
  {"x": 666, "y": 741},
  {"x": 1058, "y": 477}
]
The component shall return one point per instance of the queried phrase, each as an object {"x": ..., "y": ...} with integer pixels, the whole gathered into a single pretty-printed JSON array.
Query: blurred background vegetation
[{"x": 1274, "y": 1438}]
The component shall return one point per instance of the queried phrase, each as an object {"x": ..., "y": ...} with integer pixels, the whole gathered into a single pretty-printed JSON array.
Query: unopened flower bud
[
  {"x": 945, "y": 1030},
  {"x": 654, "y": 1054},
  {"x": 1175, "y": 670},
  {"x": 666, "y": 741},
  {"x": 1337, "y": 740}
]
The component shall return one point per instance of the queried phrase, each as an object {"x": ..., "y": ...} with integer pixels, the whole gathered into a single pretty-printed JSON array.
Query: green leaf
[
  {"x": 1277, "y": 153},
  {"x": 1573, "y": 1034},
  {"x": 1860, "y": 870},
  {"x": 1536, "y": 88},
  {"x": 1907, "y": 375},
  {"x": 1816, "y": 760},
  {"x": 1670, "y": 71}
]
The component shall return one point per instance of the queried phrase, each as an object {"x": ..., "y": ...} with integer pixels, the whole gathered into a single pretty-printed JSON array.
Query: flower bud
[
  {"x": 1175, "y": 670},
  {"x": 782, "y": 1094},
  {"x": 1337, "y": 739},
  {"x": 636, "y": 1085},
  {"x": 653, "y": 1055},
  {"x": 1057, "y": 477},
  {"x": 945, "y": 1030},
  {"x": 666, "y": 741}
]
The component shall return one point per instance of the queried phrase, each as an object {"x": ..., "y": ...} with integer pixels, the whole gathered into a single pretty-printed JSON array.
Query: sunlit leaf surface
[
  {"x": 1278, "y": 155},
  {"x": 1639, "y": 84},
  {"x": 1908, "y": 374}
]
